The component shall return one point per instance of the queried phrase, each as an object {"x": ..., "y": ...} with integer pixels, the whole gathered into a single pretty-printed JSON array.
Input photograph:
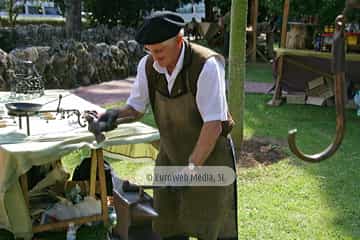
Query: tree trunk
[
  {"x": 12, "y": 13},
  {"x": 237, "y": 67},
  {"x": 254, "y": 17},
  {"x": 209, "y": 15},
  {"x": 73, "y": 19}
]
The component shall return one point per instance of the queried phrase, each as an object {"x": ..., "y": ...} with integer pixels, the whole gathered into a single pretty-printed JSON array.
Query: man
[{"x": 184, "y": 84}]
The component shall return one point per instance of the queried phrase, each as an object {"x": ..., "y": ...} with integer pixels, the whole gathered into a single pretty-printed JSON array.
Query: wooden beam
[
  {"x": 254, "y": 17},
  {"x": 102, "y": 180},
  {"x": 97, "y": 165},
  {"x": 277, "y": 94},
  {"x": 93, "y": 170},
  {"x": 285, "y": 20}
]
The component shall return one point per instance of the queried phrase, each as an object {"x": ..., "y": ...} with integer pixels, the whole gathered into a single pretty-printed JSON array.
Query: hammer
[{"x": 98, "y": 126}]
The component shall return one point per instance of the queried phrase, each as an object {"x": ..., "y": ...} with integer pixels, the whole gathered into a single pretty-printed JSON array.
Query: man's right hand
[{"x": 107, "y": 120}]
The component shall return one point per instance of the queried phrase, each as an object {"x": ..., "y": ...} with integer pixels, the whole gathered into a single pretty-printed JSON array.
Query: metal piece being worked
[
  {"x": 95, "y": 128},
  {"x": 99, "y": 125},
  {"x": 339, "y": 71}
]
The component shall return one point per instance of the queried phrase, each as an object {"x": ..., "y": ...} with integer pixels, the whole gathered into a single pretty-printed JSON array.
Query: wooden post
[
  {"x": 284, "y": 23},
  {"x": 277, "y": 94},
  {"x": 237, "y": 67},
  {"x": 97, "y": 163},
  {"x": 102, "y": 180},
  {"x": 254, "y": 16},
  {"x": 93, "y": 171}
]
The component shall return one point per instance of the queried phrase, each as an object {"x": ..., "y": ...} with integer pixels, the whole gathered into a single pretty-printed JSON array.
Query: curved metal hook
[{"x": 339, "y": 70}]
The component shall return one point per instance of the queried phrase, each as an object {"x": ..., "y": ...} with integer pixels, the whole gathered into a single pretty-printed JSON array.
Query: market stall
[
  {"x": 309, "y": 72},
  {"x": 305, "y": 74}
]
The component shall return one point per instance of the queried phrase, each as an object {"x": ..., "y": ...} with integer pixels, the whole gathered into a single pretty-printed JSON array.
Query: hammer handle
[{"x": 125, "y": 120}]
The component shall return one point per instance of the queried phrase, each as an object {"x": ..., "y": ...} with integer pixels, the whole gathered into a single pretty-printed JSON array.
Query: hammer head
[
  {"x": 95, "y": 127},
  {"x": 103, "y": 123}
]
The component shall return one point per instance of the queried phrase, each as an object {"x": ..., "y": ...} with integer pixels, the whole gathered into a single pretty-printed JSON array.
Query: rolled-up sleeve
[
  {"x": 139, "y": 95},
  {"x": 211, "y": 91}
]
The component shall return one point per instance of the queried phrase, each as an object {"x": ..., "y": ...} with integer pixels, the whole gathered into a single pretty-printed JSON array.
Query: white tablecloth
[{"x": 48, "y": 141}]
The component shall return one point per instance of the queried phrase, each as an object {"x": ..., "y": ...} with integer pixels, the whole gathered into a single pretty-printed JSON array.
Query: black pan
[{"x": 22, "y": 109}]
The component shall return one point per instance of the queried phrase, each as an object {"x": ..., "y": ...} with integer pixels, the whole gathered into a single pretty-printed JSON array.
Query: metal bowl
[{"x": 22, "y": 108}]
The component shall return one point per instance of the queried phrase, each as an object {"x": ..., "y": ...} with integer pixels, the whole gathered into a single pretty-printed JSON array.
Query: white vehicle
[
  {"x": 36, "y": 10},
  {"x": 189, "y": 11}
]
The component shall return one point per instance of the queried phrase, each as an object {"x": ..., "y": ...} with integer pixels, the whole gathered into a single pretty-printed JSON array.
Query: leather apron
[{"x": 204, "y": 212}]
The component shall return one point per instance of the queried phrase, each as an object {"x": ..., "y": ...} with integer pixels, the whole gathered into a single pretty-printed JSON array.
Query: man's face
[{"x": 165, "y": 53}]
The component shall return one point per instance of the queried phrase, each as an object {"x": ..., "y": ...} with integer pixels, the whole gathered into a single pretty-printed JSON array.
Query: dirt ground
[{"x": 260, "y": 152}]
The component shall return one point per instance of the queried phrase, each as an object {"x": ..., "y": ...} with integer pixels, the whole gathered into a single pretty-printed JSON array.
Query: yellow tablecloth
[{"x": 47, "y": 143}]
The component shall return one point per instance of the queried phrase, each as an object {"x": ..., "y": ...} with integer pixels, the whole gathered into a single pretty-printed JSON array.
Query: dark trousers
[
  {"x": 177, "y": 238},
  {"x": 187, "y": 238}
]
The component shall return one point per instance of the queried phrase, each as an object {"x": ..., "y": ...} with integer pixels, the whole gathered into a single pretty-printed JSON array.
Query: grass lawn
[
  {"x": 296, "y": 200},
  {"x": 292, "y": 199},
  {"x": 259, "y": 72}
]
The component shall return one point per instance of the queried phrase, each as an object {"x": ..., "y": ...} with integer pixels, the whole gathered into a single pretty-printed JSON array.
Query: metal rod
[
  {"x": 28, "y": 124},
  {"x": 58, "y": 106}
]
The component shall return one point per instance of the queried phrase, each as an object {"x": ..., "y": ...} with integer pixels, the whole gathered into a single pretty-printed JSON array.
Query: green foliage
[
  {"x": 259, "y": 72},
  {"x": 61, "y": 5},
  {"x": 125, "y": 12},
  {"x": 105, "y": 11},
  {"x": 130, "y": 13},
  {"x": 224, "y": 5},
  {"x": 326, "y": 10}
]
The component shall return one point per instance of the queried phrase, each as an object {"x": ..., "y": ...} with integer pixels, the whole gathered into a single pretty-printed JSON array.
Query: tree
[
  {"x": 60, "y": 4},
  {"x": 326, "y": 10},
  {"x": 104, "y": 11},
  {"x": 129, "y": 12},
  {"x": 13, "y": 10},
  {"x": 237, "y": 65},
  {"x": 224, "y": 6},
  {"x": 125, "y": 12},
  {"x": 73, "y": 19},
  {"x": 209, "y": 16}
]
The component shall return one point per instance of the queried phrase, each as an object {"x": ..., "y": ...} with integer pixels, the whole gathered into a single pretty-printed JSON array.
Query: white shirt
[{"x": 210, "y": 95}]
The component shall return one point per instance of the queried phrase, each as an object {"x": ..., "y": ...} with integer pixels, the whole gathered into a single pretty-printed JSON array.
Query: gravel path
[{"x": 119, "y": 90}]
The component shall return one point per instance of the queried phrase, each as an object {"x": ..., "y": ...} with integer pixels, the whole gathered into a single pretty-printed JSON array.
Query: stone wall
[
  {"x": 44, "y": 34},
  {"x": 69, "y": 64},
  {"x": 103, "y": 54}
]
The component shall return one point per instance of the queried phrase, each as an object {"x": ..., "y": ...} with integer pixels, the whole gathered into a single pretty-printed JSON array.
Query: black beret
[{"x": 159, "y": 27}]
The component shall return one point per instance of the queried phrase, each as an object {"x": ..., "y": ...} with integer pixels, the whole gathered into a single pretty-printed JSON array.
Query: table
[
  {"x": 301, "y": 66},
  {"x": 352, "y": 40},
  {"x": 48, "y": 142}
]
